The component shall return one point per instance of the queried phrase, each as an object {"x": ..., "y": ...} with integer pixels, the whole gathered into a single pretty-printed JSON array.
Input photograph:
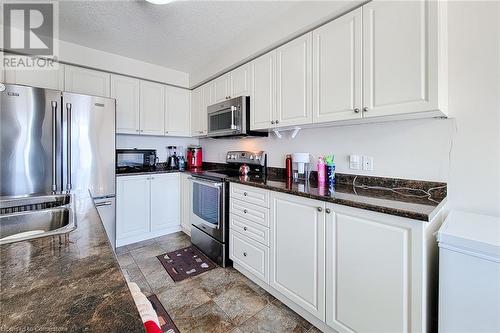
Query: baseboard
[{"x": 146, "y": 236}]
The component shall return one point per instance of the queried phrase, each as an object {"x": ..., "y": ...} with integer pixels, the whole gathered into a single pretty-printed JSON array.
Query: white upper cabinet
[
  {"x": 337, "y": 69},
  {"x": 165, "y": 201},
  {"x": 126, "y": 91},
  {"x": 196, "y": 112},
  {"x": 177, "y": 111},
  {"x": 86, "y": 81},
  {"x": 240, "y": 81},
  {"x": 221, "y": 86},
  {"x": 403, "y": 64},
  {"x": 48, "y": 78},
  {"x": 263, "y": 100},
  {"x": 294, "y": 82},
  {"x": 298, "y": 251},
  {"x": 152, "y": 108}
]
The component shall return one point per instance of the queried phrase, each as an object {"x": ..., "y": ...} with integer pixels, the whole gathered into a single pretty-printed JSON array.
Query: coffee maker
[
  {"x": 194, "y": 157},
  {"x": 172, "y": 160}
]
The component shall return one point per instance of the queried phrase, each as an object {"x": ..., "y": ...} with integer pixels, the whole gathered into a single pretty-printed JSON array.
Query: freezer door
[
  {"x": 29, "y": 140},
  {"x": 106, "y": 209},
  {"x": 89, "y": 144}
]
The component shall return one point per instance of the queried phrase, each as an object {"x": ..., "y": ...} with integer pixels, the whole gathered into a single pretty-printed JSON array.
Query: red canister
[{"x": 288, "y": 166}]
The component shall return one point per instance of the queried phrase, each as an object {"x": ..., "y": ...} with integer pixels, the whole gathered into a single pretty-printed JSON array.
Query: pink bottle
[{"x": 321, "y": 170}]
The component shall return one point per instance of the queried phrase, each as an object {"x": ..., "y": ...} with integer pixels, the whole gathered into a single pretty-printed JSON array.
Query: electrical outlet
[
  {"x": 355, "y": 162},
  {"x": 367, "y": 163}
]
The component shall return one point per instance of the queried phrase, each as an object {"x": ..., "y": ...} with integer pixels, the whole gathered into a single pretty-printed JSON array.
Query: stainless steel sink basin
[
  {"x": 33, "y": 217},
  {"x": 29, "y": 203}
]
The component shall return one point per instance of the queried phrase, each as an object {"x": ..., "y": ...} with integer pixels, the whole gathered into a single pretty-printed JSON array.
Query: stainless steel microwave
[{"x": 231, "y": 118}]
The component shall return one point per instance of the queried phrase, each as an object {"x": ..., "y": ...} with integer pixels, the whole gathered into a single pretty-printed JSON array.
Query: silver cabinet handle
[
  {"x": 245, "y": 194},
  {"x": 54, "y": 145},
  {"x": 244, "y": 211},
  {"x": 277, "y": 121},
  {"x": 272, "y": 122},
  {"x": 244, "y": 254},
  {"x": 328, "y": 211},
  {"x": 320, "y": 209},
  {"x": 245, "y": 228},
  {"x": 142, "y": 131},
  {"x": 137, "y": 131},
  {"x": 68, "y": 148},
  {"x": 365, "y": 109},
  {"x": 104, "y": 203},
  {"x": 356, "y": 110}
]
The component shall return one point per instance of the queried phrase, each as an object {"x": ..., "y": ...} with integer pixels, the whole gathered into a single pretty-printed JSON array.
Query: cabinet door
[
  {"x": 86, "y": 81},
  {"x": 240, "y": 81},
  {"x": 177, "y": 112},
  {"x": 49, "y": 78},
  {"x": 294, "y": 82},
  {"x": 368, "y": 273},
  {"x": 221, "y": 88},
  {"x": 196, "y": 111},
  {"x": 186, "y": 202},
  {"x": 165, "y": 201},
  {"x": 208, "y": 99},
  {"x": 263, "y": 103},
  {"x": 126, "y": 92},
  {"x": 400, "y": 57},
  {"x": 297, "y": 251},
  {"x": 337, "y": 76},
  {"x": 132, "y": 206},
  {"x": 152, "y": 110}
]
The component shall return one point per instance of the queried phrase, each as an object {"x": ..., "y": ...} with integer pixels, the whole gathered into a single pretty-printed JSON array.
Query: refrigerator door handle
[
  {"x": 54, "y": 145},
  {"x": 68, "y": 148}
]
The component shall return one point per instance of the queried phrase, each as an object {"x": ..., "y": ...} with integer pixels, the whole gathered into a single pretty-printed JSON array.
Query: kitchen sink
[
  {"x": 36, "y": 216},
  {"x": 30, "y": 203}
]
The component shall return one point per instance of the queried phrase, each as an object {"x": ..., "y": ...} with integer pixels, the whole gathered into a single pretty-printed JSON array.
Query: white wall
[
  {"x": 159, "y": 143},
  {"x": 463, "y": 151},
  {"x": 84, "y": 56}
]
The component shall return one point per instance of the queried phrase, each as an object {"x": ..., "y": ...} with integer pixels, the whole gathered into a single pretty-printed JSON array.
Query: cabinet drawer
[
  {"x": 250, "y": 229},
  {"x": 250, "y": 254},
  {"x": 250, "y": 194},
  {"x": 251, "y": 212}
]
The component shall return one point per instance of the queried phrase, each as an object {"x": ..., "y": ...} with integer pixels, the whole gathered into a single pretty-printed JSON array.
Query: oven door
[
  {"x": 207, "y": 212},
  {"x": 225, "y": 121}
]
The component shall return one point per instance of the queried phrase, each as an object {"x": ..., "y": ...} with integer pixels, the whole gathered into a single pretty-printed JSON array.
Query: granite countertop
[
  {"x": 416, "y": 200},
  {"x": 74, "y": 287}
]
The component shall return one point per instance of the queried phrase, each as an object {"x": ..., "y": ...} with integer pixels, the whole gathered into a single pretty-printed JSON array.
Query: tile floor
[{"x": 220, "y": 300}]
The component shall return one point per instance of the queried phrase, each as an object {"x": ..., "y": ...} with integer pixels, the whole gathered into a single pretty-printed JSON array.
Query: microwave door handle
[{"x": 233, "y": 126}]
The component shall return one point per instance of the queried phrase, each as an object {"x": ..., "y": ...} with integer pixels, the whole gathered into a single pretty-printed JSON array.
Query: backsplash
[{"x": 159, "y": 143}]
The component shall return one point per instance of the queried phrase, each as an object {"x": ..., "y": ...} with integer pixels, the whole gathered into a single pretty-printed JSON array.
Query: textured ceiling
[{"x": 182, "y": 35}]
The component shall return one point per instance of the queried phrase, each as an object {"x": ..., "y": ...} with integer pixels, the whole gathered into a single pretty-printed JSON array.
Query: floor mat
[
  {"x": 166, "y": 323},
  {"x": 186, "y": 262}
]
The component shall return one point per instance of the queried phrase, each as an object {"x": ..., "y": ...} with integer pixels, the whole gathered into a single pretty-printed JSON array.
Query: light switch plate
[
  {"x": 355, "y": 162},
  {"x": 367, "y": 163}
]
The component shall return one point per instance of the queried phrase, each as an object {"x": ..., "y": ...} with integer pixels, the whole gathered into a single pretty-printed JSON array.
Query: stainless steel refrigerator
[{"x": 54, "y": 141}]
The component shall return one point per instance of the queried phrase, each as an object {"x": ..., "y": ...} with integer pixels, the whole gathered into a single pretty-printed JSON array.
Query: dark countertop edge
[{"x": 375, "y": 208}]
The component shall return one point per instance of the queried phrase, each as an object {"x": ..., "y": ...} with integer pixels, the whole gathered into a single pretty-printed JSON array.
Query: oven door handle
[{"x": 205, "y": 182}]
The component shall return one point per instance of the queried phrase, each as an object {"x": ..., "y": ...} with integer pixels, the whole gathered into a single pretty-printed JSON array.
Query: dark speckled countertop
[
  {"x": 405, "y": 198},
  {"x": 75, "y": 287}
]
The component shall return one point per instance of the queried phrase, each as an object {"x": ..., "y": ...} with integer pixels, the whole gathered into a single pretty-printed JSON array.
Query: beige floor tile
[
  {"x": 207, "y": 318},
  {"x": 274, "y": 319}
]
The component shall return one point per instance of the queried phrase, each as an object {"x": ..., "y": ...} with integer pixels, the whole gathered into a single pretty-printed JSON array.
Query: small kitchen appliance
[
  {"x": 135, "y": 160},
  {"x": 194, "y": 157},
  {"x": 172, "y": 159},
  {"x": 210, "y": 203},
  {"x": 301, "y": 166}
]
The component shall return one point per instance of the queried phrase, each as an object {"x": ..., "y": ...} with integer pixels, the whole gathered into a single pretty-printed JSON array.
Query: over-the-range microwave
[{"x": 231, "y": 118}]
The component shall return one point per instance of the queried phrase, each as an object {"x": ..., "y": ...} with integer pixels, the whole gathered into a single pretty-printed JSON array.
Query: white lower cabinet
[
  {"x": 186, "y": 202},
  {"x": 298, "y": 251},
  {"x": 369, "y": 274},
  {"x": 147, "y": 206},
  {"x": 344, "y": 269}
]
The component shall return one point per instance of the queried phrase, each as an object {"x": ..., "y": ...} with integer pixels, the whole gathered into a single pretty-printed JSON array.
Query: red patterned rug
[{"x": 184, "y": 263}]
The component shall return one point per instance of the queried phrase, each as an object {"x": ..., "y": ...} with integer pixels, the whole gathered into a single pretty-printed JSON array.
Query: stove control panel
[{"x": 246, "y": 157}]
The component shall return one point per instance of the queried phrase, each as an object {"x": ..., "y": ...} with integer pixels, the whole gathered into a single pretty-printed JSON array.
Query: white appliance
[
  {"x": 469, "y": 273},
  {"x": 301, "y": 166}
]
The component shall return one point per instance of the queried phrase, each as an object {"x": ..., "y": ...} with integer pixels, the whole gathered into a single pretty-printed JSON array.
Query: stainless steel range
[{"x": 210, "y": 203}]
